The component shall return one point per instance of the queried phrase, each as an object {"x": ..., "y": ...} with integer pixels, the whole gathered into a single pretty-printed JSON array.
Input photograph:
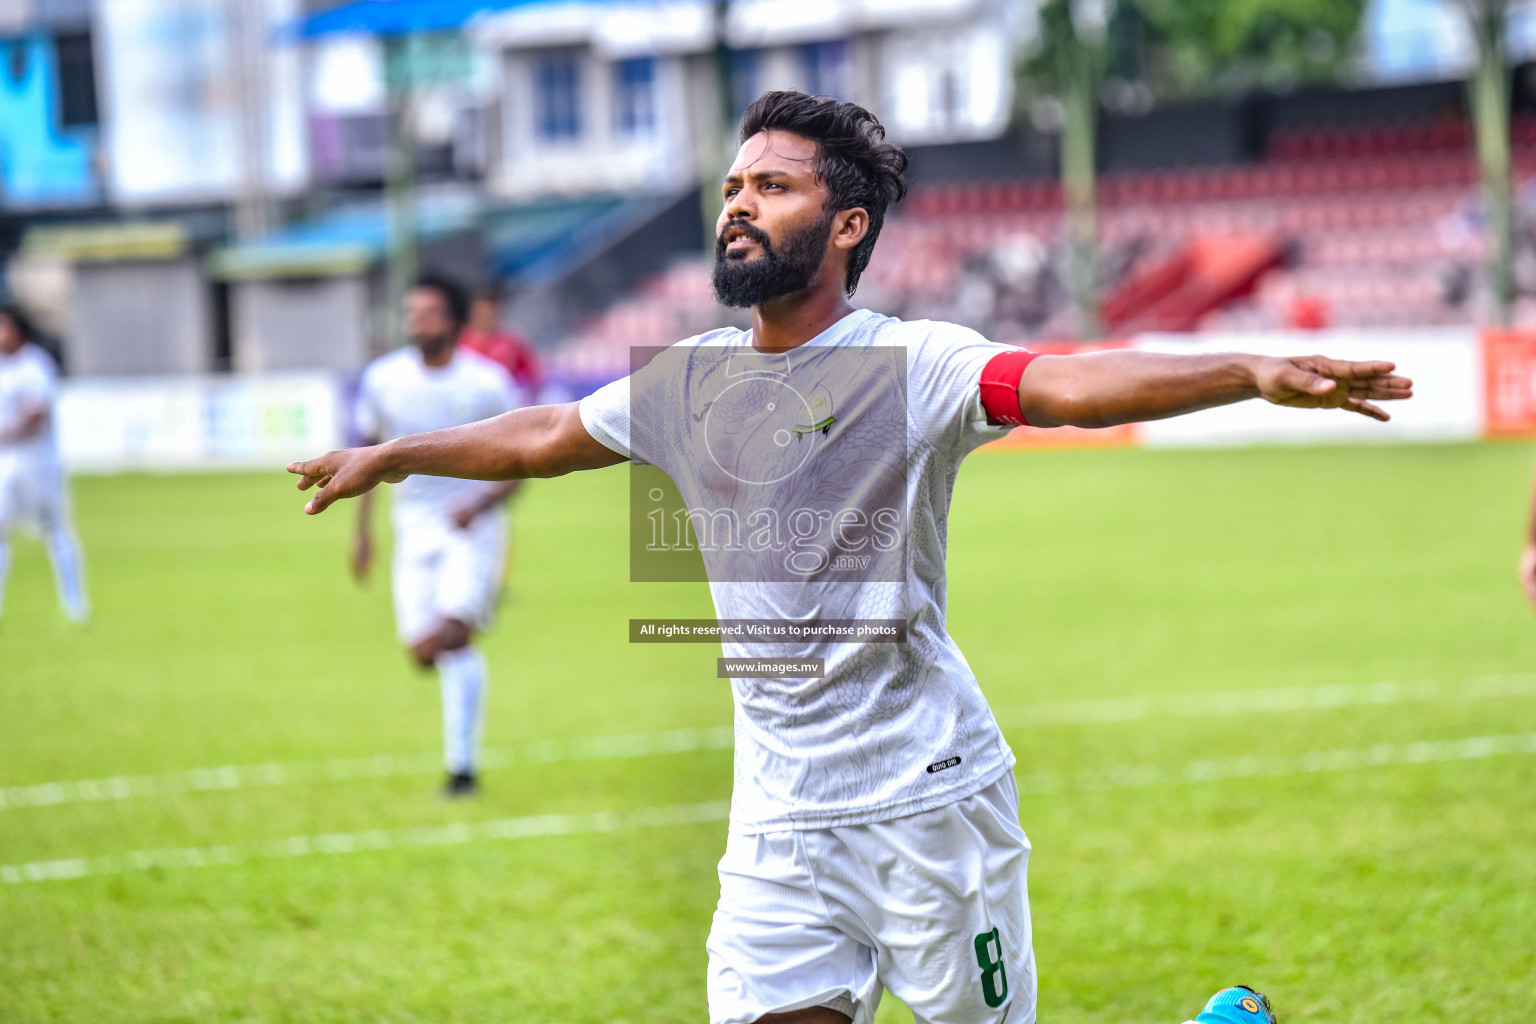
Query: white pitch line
[
  {"x": 1246, "y": 702},
  {"x": 1037, "y": 783},
  {"x": 373, "y": 839},
  {"x": 1276, "y": 765},
  {"x": 676, "y": 741},
  {"x": 378, "y": 766}
]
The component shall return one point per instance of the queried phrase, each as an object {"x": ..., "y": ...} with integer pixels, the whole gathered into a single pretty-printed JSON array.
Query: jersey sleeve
[
  {"x": 944, "y": 367},
  {"x": 38, "y": 382},
  {"x": 641, "y": 417},
  {"x": 368, "y": 420},
  {"x": 605, "y": 414},
  {"x": 504, "y": 395},
  {"x": 33, "y": 385}
]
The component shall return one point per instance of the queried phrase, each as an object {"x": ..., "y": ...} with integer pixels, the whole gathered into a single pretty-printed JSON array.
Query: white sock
[
  {"x": 69, "y": 572},
  {"x": 462, "y": 673}
]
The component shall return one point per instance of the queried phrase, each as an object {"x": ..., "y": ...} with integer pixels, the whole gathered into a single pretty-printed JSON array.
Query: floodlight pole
[
  {"x": 716, "y": 127},
  {"x": 399, "y": 183},
  {"x": 1079, "y": 66},
  {"x": 246, "y": 27},
  {"x": 1489, "y": 88}
]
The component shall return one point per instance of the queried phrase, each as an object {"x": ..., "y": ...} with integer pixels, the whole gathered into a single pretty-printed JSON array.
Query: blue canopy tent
[{"x": 403, "y": 17}]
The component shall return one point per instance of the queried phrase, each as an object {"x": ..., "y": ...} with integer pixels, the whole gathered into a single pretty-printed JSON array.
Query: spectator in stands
[
  {"x": 1006, "y": 291},
  {"x": 1026, "y": 286},
  {"x": 1307, "y": 312},
  {"x": 485, "y": 334}
]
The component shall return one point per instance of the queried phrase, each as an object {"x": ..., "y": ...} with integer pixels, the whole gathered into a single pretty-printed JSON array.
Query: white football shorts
[
  {"x": 443, "y": 572},
  {"x": 933, "y": 907},
  {"x": 32, "y": 493}
]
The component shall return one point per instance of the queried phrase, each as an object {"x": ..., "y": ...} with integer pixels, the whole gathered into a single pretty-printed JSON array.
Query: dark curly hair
[
  {"x": 859, "y": 168},
  {"x": 13, "y": 313},
  {"x": 453, "y": 293}
]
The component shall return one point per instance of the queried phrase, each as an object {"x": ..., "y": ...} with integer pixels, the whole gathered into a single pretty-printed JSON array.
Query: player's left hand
[
  {"x": 464, "y": 515},
  {"x": 1317, "y": 382}
]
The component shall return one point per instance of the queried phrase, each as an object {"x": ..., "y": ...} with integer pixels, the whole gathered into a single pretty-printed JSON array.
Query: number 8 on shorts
[{"x": 994, "y": 977}]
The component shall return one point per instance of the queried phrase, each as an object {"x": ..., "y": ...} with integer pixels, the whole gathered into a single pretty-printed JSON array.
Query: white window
[
  {"x": 826, "y": 68},
  {"x": 745, "y": 72},
  {"x": 557, "y": 85},
  {"x": 634, "y": 97}
]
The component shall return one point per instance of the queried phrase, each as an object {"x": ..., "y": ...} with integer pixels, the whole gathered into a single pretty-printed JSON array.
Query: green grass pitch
[{"x": 227, "y": 632}]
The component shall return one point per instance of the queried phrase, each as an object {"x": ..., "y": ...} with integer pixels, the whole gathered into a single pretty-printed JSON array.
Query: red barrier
[{"x": 1509, "y": 382}]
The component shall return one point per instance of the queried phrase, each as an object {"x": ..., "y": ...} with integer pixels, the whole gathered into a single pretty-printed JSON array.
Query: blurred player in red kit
[{"x": 485, "y": 334}]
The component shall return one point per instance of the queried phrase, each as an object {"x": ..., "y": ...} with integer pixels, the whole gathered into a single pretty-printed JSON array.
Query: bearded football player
[{"x": 874, "y": 840}]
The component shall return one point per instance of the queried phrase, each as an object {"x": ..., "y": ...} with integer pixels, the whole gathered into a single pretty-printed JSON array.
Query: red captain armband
[{"x": 1000, "y": 387}]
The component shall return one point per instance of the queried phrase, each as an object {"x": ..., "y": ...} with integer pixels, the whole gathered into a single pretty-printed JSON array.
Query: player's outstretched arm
[
  {"x": 1102, "y": 389},
  {"x": 539, "y": 441}
]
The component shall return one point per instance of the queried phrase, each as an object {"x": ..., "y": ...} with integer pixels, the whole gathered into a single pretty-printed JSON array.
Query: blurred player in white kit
[
  {"x": 450, "y": 535},
  {"x": 33, "y": 493}
]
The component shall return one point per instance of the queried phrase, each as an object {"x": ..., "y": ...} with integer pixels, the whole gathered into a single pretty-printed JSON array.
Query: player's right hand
[{"x": 343, "y": 474}]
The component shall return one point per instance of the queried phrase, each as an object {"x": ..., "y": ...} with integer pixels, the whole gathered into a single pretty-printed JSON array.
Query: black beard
[
  {"x": 741, "y": 282},
  {"x": 434, "y": 346}
]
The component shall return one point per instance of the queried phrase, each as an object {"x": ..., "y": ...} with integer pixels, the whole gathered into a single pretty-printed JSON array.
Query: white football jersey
[
  {"x": 400, "y": 394},
  {"x": 28, "y": 380},
  {"x": 891, "y": 729}
]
